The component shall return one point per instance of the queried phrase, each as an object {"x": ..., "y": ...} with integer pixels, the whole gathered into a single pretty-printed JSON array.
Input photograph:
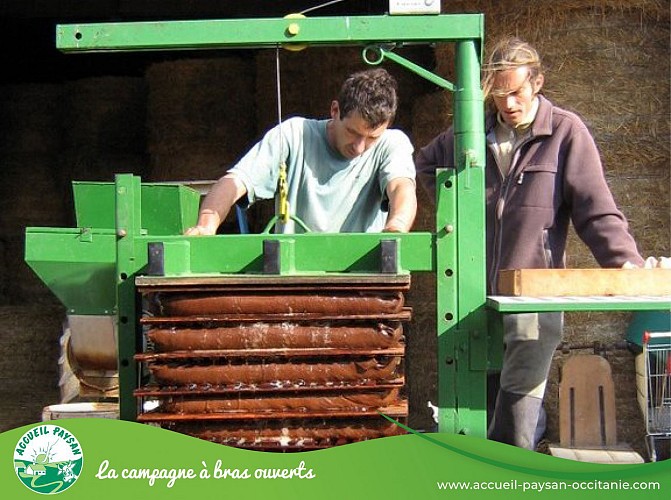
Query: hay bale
[
  {"x": 105, "y": 129},
  {"x": 22, "y": 285},
  {"x": 4, "y": 273},
  {"x": 30, "y": 119},
  {"x": 200, "y": 116},
  {"x": 104, "y": 133},
  {"x": 309, "y": 80},
  {"x": 105, "y": 114},
  {"x": 304, "y": 94},
  {"x": 30, "y": 193},
  {"x": 431, "y": 114},
  {"x": 29, "y": 353}
]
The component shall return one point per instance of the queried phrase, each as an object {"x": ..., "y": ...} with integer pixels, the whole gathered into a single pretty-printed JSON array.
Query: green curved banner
[{"x": 103, "y": 458}]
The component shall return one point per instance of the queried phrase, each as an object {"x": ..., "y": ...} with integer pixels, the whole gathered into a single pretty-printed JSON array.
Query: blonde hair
[{"x": 510, "y": 53}]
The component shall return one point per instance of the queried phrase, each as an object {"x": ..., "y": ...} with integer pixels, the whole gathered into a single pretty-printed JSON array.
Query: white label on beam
[{"x": 414, "y": 7}]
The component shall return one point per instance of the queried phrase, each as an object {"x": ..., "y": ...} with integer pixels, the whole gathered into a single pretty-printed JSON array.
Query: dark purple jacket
[{"x": 555, "y": 176}]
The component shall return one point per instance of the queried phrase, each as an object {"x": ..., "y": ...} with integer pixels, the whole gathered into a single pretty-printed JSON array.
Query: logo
[{"x": 48, "y": 459}]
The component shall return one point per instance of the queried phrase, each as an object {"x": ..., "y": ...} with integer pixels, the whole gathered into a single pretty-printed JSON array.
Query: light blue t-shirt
[{"x": 329, "y": 193}]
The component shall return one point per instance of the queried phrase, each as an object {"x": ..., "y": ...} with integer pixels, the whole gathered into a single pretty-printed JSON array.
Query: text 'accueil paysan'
[{"x": 48, "y": 459}]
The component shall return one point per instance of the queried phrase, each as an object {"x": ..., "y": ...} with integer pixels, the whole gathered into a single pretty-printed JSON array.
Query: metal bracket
[
  {"x": 279, "y": 256},
  {"x": 155, "y": 259},
  {"x": 389, "y": 260},
  {"x": 386, "y": 52},
  {"x": 271, "y": 257},
  {"x": 85, "y": 234}
]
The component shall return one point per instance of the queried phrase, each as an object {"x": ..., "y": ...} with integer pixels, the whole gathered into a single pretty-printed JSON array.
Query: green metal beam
[
  {"x": 128, "y": 210},
  {"x": 506, "y": 304},
  {"x": 447, "y": 299},
  {"x": 462, "y": 318},
  {"x": 313, "y": 252},
  {"x": 246, "y": 33},
  {"x": 384, "y": 53}
]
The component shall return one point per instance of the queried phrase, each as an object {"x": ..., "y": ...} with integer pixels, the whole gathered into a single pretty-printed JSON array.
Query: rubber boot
[{"x": 515, "y": 420}]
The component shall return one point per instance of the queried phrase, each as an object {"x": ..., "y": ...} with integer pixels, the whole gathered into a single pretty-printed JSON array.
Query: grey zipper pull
[{"x": 520, "y": 178}]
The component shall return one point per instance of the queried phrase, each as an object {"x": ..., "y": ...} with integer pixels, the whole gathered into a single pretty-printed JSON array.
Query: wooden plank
[
  {"x": 397, "y": 410},
  {"x": 584, "y": 282},
  {"x": 404, "y": 315},
  {"x": 625, "y": 455},
  {"x": 270, "y": 353},
  {"x": 271, "y": 281}
]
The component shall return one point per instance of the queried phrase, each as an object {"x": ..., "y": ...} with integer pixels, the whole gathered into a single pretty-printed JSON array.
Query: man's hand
[
  {"x": 198, "y": 231},
  {"x": 216, "y": 205},
  {"x": 651, "y": 263},
  {"x": 208, "y": 222},
  {"x": 396, "y": 226}
]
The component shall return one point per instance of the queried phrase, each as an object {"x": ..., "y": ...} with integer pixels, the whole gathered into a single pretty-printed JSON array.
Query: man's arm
[
  {"x": 437, "y": 154},
  {"x": 217, "y": 204},
  {"x": 402, "y": 205}
]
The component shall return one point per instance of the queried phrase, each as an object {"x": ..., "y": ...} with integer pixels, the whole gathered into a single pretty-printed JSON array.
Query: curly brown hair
[{"x": 371, "y": 93}]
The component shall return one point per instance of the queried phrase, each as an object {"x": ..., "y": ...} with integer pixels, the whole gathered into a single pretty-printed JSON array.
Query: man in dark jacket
[{"x": 542, "y": 170}]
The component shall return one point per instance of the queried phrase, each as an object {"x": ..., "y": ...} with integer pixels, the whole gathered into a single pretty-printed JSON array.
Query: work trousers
[{"x": 529, "y": 344}]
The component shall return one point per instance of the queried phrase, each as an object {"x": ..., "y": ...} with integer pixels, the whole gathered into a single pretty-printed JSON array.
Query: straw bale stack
[
  {"x": 201, "y": 116},
  {"x": 105, "y": 114},
  {"x": 103, "y": 133},
  {"x": 30, "y": 193},
  {"x": 30, "y": 118},
  {"x": 310, "y": 79},
  {"x": 22, "y": 285},
  {"x": 104, "y": 130},
  {"x": 29, "y": 147},
  {"x": 29, "y": 362}
]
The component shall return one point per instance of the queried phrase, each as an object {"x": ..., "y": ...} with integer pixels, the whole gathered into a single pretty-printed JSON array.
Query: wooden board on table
[{"x": 584, "y": 282}]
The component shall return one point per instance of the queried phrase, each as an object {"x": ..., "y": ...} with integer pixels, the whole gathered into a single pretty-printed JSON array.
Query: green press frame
[
  {"x": 455, "y": 251},
  {"x": 469, "y": 337}
]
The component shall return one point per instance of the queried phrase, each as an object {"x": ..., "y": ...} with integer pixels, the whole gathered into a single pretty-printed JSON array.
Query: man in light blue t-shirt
[{"x": 347, "y": 174}]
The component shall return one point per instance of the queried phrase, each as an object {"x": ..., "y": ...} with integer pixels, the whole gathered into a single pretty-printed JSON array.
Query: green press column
[
  {"x": 461, "y": 278},
  {"x": 128, "y": 201}
]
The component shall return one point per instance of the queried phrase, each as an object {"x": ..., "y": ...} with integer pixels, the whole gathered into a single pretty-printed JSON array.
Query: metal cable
[
  {"x": 283, "y": 208},
  {"x": 325, "y": 4}
]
